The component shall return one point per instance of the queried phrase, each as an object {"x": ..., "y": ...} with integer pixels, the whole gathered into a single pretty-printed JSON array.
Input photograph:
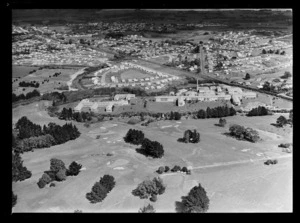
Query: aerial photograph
[{"x": 152, "y": 110}]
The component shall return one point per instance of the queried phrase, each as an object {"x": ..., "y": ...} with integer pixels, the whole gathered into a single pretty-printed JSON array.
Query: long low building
[{"x": 94, "y": 105}]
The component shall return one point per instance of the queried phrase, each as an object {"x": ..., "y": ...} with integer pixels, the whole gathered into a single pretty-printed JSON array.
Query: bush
[
  {"x": 61, "y": 175},
  {"x": 161, "y": 170},
  {"x": 52, "y": 185},
  {"x": 74, "y": 169},
  {"x": 147, "y": 209},
  {"x": 167, "y": 168},
  {"x": 149, "y": 187},
  {"x": 97, "y": 194},
  {"x": 189, "y": 136},
  {"x": 152, "y": 148},
  {"x": 244, "y": 133},
  {"x": 51, "y": 174},
  {"x": 196, "y": 201},
  {"x": 14, "y": 199},
  {"x": 281, "y": 121},
  {"x": 176, "y": 168},
  {"x": 108, "y": 182},
  {"x": 184, "y": 169},
  {"x": 135, "y": 137},
  {"x": 46, "y": 178},
  {"x": 222, "y": 122},
  {"x": 57, "y": 165},
  {"x": 41, "y": 183}
]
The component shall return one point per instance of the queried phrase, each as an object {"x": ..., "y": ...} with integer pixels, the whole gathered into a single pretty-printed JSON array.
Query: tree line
[
  {"x": 31, "y": 135},
  {"x": 217, "y": 112},
  {"x": 29, "y": 95},
  {"x": 259, "y": 111},
  {"x": 29, "y": 84}
]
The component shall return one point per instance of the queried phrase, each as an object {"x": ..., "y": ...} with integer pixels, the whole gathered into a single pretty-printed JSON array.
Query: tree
[
  {"x": 56, "y": 165},
  {"x": 281, "y": 121},
  {"x": 153, "y": 198},
  {"x": 147, "y": 209},
  {"x": 201, "y": 114},
  {"x": 247, "y": 77},
  {"x": 149, "y": 188},
  {"x": 196, "y": 201},
  {"x": 108, "y": 182},
  {"x": 167, "y": 168},
  {"x": 264, "y": 51},
  {"x": 176, "y": 168},
  {"x": 222, "y": 122},
  {"x": 152, "y": 148},
  {"x": 184, "y": 169},
  {"x": 160, "y": 170},
  {"x": 177, "y": 116},
  {"x": 74, "y": 169},
  {"x": 98, "y": 193},
  {"x": 61, "y": 175},
  {"x": 286, "y": 75},
  {"x": 134, "y": 136},
  {"x": 244, "y": 133},
  {"x": 19, "y": 172},
  {"x": 44, "y": 180},
  {"x": 171, "y": 115}
]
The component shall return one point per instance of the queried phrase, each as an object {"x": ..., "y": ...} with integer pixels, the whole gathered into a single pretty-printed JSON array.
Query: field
[
  {"x": 133, "y": 73},
  {"x": 21, "y": 71},
  {"x": 41, "y": 75},
  {"x": 231, "y": 171}
]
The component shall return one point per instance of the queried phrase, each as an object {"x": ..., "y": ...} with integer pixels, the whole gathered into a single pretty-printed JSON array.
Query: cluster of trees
[
  {"x": 217, "y": 112},
  {"x": 196, "y": 201},
  {"x": 56, "y": 97},
  {"x": 134, "y": 136},
  {"x": 152, "y": 148},
  {"x": 56, "y": 74},
  {"x": 190, "y": 137},
  {"x": 165, "y": 169},
  {"x": 243, "y": 133},
  {"x": 174, "y": 116},
  {"x": 259, "y": 111},
  {"x": 150, "y": 188},
  {"x": 101, "y": 189},
  {"x": 29, "y": 95},
  {"x": 267, "y": 86},
  {"x": 34, "y": 136},
  {"x": 29, "y": 84},
  {"x": 19, "y": 172},
  {"x": 68, "y": 114},
  {"x": 147, "y": 209},
  {"x": 273, "y": 51},
  {"x": 58, "y": 172},
  {"x": 282, "y": 121}
]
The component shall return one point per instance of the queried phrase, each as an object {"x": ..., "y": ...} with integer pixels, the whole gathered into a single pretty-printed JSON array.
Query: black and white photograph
[{"x": 152, "y": 110}]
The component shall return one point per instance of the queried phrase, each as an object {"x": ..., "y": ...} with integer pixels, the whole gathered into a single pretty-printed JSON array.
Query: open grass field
[
  {"x": 42, "y": 75},
  {"x": 134, "y": 73},
  {"x": 231, "y": 171},
  {"x": 21, "y": 71}
]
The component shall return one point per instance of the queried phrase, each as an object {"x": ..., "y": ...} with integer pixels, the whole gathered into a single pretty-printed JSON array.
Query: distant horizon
[{"x": 212, "y": 9}]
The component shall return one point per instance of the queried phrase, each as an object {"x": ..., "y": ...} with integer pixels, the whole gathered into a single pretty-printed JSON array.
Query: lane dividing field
[{"x": 73, "y": 76}]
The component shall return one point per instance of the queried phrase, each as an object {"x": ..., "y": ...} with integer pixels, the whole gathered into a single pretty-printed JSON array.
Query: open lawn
[
  {"x": 231, "y": 171},
  {"x": 134, "y": 73},
  {"x": 21, "y": 71}
]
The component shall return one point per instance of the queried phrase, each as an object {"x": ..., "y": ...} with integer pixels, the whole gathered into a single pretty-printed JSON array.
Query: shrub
[
  {"x": 222, "y": 122},
  {"x": 167, "y": 168},
  {"x": 184, "y": 169},
  {"x": 46, "y": 178},
  {"x": 176, "y": 168},
  {"x": 161, "y": 170},
  {"x": 108, "y": 182},
  {"x": 41, "y": 183},
  {"x": 51, "y": 174},
  {"x": 56, "y": 165},
  {"x": 74, "y": 169},
  {"x": 134, "y": 136},
  {"x": 149, "y": 187},
  {"x": 14, "y": 199},
  {"x": 196, "y": 201},
  {"x": 152, "y": 148},
  {"x": 97, "y": 194},
  {"x": 147, "y": 209},
  {"x": 52, "y": 185},
  {"x": 281, "y": 121},
  {"x": 61, "y": 175},
  {"x": 189, "y": 136}
]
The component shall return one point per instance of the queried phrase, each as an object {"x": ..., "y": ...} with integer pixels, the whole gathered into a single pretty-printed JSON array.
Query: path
[{"x": 73, "y": 76}]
